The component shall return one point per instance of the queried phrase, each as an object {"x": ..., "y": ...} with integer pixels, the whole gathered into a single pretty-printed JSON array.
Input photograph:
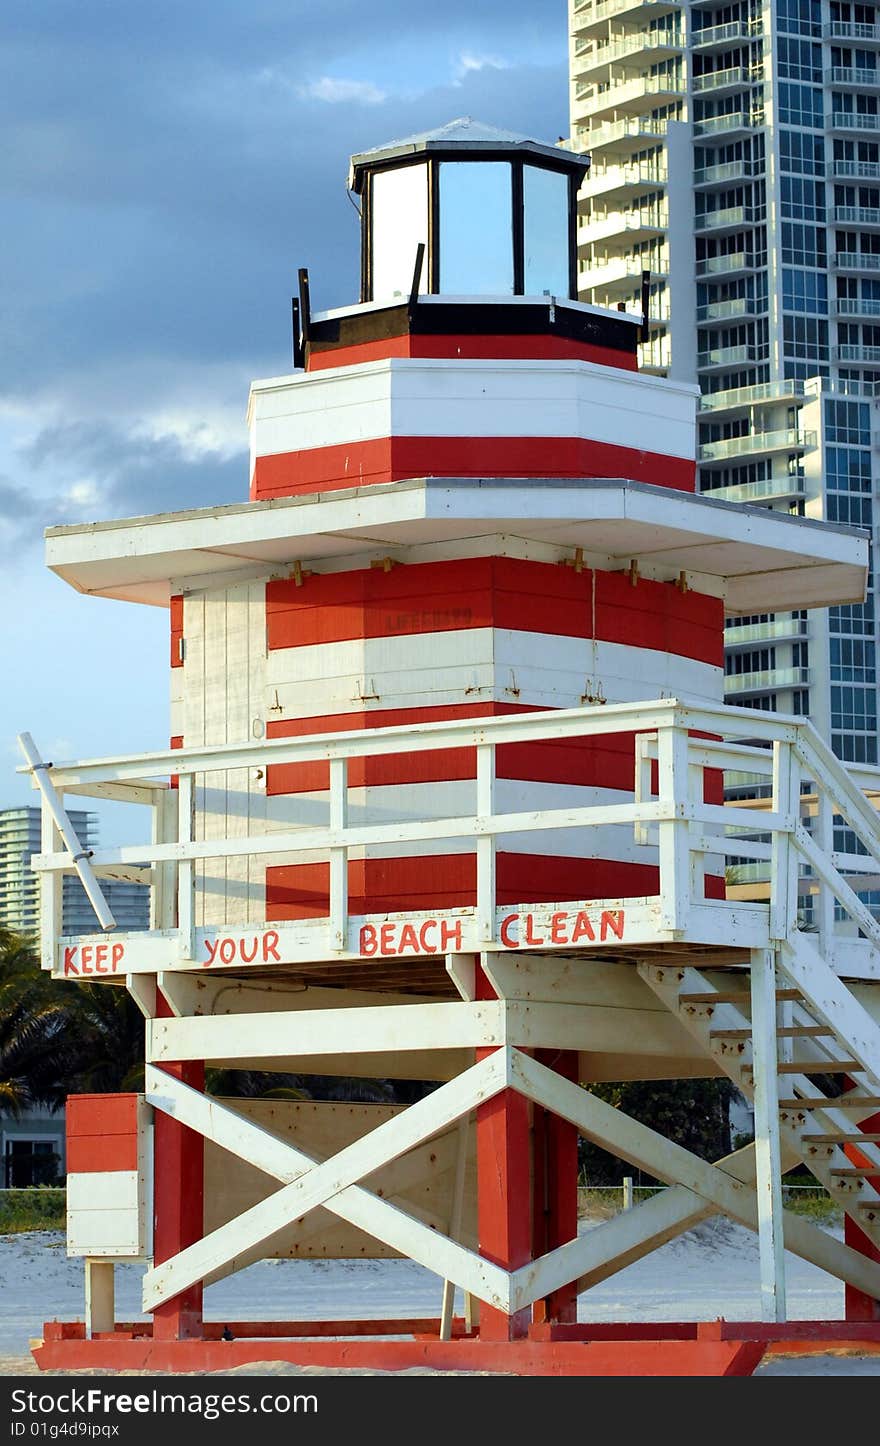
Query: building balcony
[
  {"x": 618, "y": 276},
  {"x": 610, "y": 181},
  {"x": 857, "y": 215},
  {"x": 727, "y": 356},
  {"x": 736, "y": 123},
  {"x": 596, "y": 60},
  {"x": 629, "y": 97},
  {"x": 739, "y": 170},
  {"x": 634, "y": 225},
  {"x": 715, "y": 311},
  {"x": 735, "y": 77},
  {"x": 844, "y": 75},
  {"x": 848, "y": 30},
  {"x": 850, "y": 120},
  {"x": 770, "y": 680},
  {"x": 862, "y": 170},
  {"x": 619, "y": 135},
  {"x": 724, "y": 37},
  {"x": 592, "y": 15},
  {"x": 730, "y": 218},
  {"x": 856, "y": 306},
  {"x": 861, "y": 355},
  {"x": 778, "y": 630},
  {"x": 735, "y": 262},
  {"x": 742, "y": 399},
  {"x": 758, "y": 444},
  {"x": 855, "y": 261}
]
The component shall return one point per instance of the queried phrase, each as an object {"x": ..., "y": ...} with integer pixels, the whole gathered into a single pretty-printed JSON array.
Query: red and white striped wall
[
  {"x": 394, "y": 418},
  {"x": 472, "y": 637},
  {"x": 107, "y": 1175}
]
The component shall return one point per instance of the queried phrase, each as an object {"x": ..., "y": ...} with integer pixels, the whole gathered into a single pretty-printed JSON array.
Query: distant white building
[{"x": 20, "y": 886}]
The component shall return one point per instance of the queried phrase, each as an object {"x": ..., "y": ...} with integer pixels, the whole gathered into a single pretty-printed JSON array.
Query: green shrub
[{"x": 41, "y": 1207}]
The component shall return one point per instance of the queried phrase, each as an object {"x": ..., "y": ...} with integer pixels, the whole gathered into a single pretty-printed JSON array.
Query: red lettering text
[
  {"x": 270, "y": 947},
  {"x": 249, "y": 958},
  {"x": 450, "y": 934},
  {"x": 212, "y": 950},
  {"x": 70, "y": 951},
  {"x": 227, "y": 951},
  {"x": 101, "y": 952},
  {"x": 85, "y": 958},
  {"x": 611, "y": 920},
  {"x": 507, "y": 938},
  {"x": 583, "y": 929},
  {"x": 117, "y": 955},
  {"x": 423, "y": 937},
  {"x": 530, "y": 938},
  {"x": 386, "y": 939},
  {"x": 409, "y": 939},
  {"x": 368, "y": 942},
  {"x": 557, "y": 929}
]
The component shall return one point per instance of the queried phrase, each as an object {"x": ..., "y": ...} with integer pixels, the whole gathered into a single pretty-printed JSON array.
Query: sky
[{"x": 166, "y": 168}]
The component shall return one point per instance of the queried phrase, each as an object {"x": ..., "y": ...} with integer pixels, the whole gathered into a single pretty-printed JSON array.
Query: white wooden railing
[{"x": 790, "y": 833}]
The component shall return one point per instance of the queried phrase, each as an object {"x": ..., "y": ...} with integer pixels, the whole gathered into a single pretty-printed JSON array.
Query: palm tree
[{"x": 37, "y": 1049}]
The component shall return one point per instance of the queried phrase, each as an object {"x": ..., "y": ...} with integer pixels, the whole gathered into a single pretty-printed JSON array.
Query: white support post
[
  {"x": 627, "y": 1192},
  {"x": 823, "y": 908},
  {"x": 51, "y": 894},
  {"x": 455, "y": 1219},
  {"x": 338, "y": 856},
  {"x": 100, "y": 1297},
  {"x": 79, "y": 856},
  {"x": 645, "y": 745},
  {"x": 767, "y": 1148},
  {"x": 186, "y": 920},
  {"x": 783, "y": 854},
  {"x": 674, "y": 834},
  {"x": 698, "y": 859},
  {"x": 163, "y": 830},
  {"x": 486, "y": 845}
]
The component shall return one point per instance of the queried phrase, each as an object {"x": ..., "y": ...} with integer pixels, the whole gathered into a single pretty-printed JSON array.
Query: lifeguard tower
[{"x": 444, "y": 801}]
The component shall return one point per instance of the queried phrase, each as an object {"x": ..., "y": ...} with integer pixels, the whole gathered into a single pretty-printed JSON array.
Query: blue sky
[{"x": 165, "y": 170}]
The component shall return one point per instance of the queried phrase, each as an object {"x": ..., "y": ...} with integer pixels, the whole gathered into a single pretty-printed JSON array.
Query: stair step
[
  {"x": 794, "y": 1031},
  {"x": 854, "y": 1139},
  {"x": 813, "y": 1066},
  {"x": 732, "y": 996},
  {"x": 856, "y": 1171},
  {"x": 850, "y": 1101},
  {"x": 816, "y": 1066}
]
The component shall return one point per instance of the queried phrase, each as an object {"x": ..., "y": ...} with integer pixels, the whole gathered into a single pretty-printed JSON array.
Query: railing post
[
  {"x": 186, "y": 922},
  {"x": 338, "y": 856},
  {"x": 163, "y": 830},
  {"x": 783, "y": 855},
  {"x": 768, "y": 1175},
  {"x": 674, "y": 833},
  {"x": 51, "y": 891},
  {"x": 485, "y": 844},
  {"x": 824, "y": 906}
]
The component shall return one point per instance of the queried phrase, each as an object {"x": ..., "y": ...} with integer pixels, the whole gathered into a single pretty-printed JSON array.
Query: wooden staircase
[{"x": 827, "y": 1080}]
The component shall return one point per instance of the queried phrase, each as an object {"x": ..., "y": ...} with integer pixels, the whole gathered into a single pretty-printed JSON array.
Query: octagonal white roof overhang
[{"x": 762, "y": 561}]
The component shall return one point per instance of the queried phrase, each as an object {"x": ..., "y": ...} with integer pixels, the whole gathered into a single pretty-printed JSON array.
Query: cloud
[
  {"x": 469, "y": 64},
  {"x": 343, "y": 92}
]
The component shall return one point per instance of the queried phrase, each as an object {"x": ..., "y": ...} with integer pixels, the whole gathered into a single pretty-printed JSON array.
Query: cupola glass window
[
  {"x": 495, "y": 213},
  {"x": 476, "y": 235}
]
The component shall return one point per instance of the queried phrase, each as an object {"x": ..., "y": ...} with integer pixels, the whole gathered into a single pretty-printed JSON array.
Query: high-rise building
[
  {"x": 20, "y": 886},
  {"x": 736, "y": 159}
]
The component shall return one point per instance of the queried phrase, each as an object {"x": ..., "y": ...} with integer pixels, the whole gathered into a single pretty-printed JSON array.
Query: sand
[{"x": 711, "y": 1271}]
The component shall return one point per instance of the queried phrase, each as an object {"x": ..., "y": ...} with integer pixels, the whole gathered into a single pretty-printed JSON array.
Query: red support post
[
  {"x": 178, "y": 1200},
  {"x": 504, "y": 1190},
  {"x": 555, "y": 1188}
]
